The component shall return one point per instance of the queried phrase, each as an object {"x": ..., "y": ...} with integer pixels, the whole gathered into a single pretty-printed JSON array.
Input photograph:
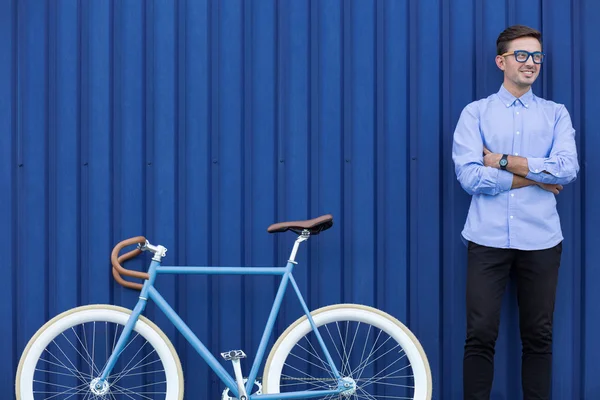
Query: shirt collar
[{"x": 508, "y": 99}]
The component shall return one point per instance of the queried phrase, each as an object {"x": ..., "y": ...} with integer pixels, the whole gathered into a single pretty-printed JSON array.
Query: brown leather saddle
[{"x": 314, "y": 226}]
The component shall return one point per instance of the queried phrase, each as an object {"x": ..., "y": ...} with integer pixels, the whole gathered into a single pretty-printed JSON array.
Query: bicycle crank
[{"x": 256, "y": 389}]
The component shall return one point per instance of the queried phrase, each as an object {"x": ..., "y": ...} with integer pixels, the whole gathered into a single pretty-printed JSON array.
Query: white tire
[
  {"x": 349, "y": 324},
  {"x": 54, "y": 335}
]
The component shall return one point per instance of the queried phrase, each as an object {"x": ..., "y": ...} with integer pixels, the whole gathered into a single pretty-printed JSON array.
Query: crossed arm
[
  {"x": 478, "y": 169},
  {"x": 518, "y": 166}
]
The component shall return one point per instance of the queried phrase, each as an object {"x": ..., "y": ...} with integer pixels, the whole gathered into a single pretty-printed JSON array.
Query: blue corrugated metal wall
[{"x": 199, "y": 123}]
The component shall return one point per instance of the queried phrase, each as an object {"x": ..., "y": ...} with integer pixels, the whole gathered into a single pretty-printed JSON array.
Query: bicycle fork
[{"x": 100, "y": 385}]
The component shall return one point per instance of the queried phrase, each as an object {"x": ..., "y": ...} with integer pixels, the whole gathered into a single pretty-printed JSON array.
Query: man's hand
[
  {"x": 491, "y": 159},
  {"x": 551, "y": 187}
]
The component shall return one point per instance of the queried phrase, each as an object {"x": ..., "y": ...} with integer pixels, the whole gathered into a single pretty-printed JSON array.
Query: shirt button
[
  {"x": 516, "y": 154},
  {"x": 512, "y": 195},
  {"x": 537, "y": 170},
  {"x": 518, "y": 132},
  {"x": 508, "y": 105},
  {"x": 511, "y": 217},
  {"x": 517, "y": 113}
]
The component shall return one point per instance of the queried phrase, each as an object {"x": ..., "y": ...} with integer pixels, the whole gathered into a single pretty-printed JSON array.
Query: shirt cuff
[
  {"x": 505, "y": 180},
  {"x": 536, "y": 165}
]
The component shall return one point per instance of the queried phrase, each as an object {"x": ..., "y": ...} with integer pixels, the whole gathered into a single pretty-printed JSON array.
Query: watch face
[{"x": 503, "y": 162}]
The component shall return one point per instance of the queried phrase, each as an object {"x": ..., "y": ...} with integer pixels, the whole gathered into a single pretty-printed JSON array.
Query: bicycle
[{"x": 109, "y": 352}]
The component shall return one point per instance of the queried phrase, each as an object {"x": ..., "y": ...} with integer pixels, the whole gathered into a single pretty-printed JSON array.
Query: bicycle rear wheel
[
  {"x": 64, "y": 357},
  {"x": 370, "y": 347}
]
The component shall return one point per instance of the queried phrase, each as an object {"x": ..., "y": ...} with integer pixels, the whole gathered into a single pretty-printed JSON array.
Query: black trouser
[{"x": 536, "y": 274}]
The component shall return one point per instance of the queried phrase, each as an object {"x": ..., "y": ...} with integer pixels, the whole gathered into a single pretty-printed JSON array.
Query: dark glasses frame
[{"x": 529, "y": 54}]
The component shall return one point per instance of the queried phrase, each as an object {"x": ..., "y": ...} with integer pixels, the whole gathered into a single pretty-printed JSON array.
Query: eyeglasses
[{"x": 523, "y": 55}]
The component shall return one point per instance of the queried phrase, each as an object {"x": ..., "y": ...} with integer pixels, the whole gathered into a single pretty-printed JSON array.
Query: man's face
[{"x": 520, "y": 74}]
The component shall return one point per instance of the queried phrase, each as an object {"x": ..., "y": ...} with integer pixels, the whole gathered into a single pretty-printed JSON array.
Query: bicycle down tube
[{"x": 150, "y": 292}]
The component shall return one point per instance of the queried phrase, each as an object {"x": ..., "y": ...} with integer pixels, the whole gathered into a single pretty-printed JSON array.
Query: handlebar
[{"x": 116, "y": 261}]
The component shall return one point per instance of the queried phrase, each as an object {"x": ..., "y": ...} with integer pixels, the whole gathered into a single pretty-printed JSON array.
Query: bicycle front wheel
[
  {"x": 368, "y": 346},
  {"x": 68, "y": 353}
]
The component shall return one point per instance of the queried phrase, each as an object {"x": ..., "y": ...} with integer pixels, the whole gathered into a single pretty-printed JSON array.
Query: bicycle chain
[
  {"x": 258, "y": 380},
  {"x": 298, "y": 379}
]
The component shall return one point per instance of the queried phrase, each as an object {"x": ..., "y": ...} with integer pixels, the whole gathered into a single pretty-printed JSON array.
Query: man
[{"x": 513, "y": 152}]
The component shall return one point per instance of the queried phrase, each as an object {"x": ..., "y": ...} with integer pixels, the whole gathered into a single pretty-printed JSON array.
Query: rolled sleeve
[
  {"x": 505, "y": 180},
  {"x": 536, "y": 165},
  {"x": 562, "y": 166},
  {"x": 467, "y": 154}
]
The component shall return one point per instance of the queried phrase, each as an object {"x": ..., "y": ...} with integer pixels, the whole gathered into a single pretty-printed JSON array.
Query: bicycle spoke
[
  {"x": 362, "y": 356},
  {"x": 306, "y": 380},
  {"x": 315, "y": 385},
  {"x": 325, "y": 366},
  {"x": 122, "y": 351},
  {"x": 93, "y": 346},
  {"x": 92, "y": 365},
  {"x": 346, "y": 360},
  {"x": 77, "y": 390},
  {"x": 128, "y": 392},
  {"x": 312, "y": 363},
  {"x": 85, "y": 346},
  {"x": 389, "y": 365},
  {"x": 366, "y": 361},
  {"x": 353, "y": 341},
  {"x": 125, "y": 371},
  {"x": 115, "y": 336},
  {"x": 77, "y": 374},
  {"x": 366, "y": 395},
  {"x": 73, "y": 372},
  {"x": 128, "y": 395},
  {"x": 377, "y": 379},
  {"x": 75, "y": 348},
  {"x": 334, "y": 346},
  {"x": 388, "y": 397}
]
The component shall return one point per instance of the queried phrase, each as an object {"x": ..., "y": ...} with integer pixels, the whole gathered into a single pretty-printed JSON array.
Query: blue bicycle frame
[{"x": 149, "y": 292}]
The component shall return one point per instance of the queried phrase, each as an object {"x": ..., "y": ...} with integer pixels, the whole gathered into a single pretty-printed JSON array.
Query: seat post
[{"x": 303, "y": 237}]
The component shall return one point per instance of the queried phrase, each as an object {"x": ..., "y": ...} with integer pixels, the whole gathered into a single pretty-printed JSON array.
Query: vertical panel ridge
[
  {"x": 347, "y": 99},
  {"x": 215, "y": 143},
  {"x": 50, "y": 159},
  {"x": 116, "y": 124},
  {"x": 181, "y": 162},
  {"x": 8, "y": 197},
  {"x": 149, "y": 117},
  {"x": 84, "y": 145},
  {"x": 413, "y": 143},
  {"x": 380, "y": 160},
  {"x": 580, "y": 244},
  {"x": 277, "y": 125},
  {"x": 112, "y": 107},
  {"x": 314, "y": 134},
  {"x": 447, "y": 194},
  {"x": 246, "y": 136}
]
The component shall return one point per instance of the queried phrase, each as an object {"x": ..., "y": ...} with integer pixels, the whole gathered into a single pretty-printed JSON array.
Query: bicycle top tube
[{"x": 304, "y": 228}]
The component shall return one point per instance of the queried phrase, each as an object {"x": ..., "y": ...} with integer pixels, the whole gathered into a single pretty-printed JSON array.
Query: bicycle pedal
[{"x": 233, "y": 355}]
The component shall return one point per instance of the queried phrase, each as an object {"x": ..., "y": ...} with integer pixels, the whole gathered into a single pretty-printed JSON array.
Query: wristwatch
[{"x": 503, "y": 162}]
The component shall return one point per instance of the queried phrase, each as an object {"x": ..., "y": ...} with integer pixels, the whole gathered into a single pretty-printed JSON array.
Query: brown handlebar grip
[
  {"x": 116, "y": 261},
  {"x": 124, "y": 283}
]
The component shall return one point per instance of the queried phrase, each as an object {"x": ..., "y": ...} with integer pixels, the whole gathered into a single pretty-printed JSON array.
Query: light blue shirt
[{"x": 531, "y": 127}]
